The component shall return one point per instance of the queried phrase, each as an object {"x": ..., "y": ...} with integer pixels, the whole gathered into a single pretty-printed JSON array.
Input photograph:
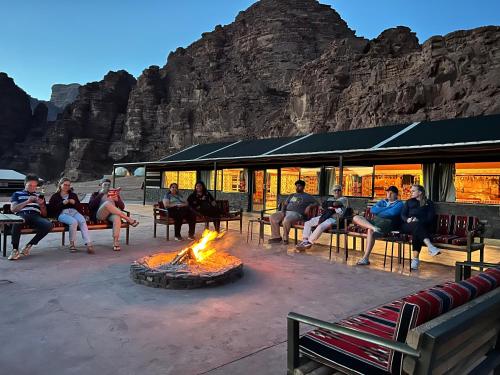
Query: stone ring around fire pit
[{"x": 161, "y": 271}]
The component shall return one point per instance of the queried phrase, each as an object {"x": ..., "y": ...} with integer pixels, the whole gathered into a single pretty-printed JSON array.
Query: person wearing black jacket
[
  {"x": 418, "y": 216},
  {"x": 65, "y": 206},
  {"x": 203, "y": 203}
]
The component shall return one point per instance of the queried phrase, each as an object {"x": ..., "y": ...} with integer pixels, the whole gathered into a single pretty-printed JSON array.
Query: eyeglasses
[{"x": 337, "y": 190}]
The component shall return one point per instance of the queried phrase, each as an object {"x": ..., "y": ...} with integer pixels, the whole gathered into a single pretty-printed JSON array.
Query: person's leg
[
  {"x": 72, "y": 223},
  {"x": 324, "y": 226},
  {"x": 364, "y": 223},
  {"x": 191, "y": 219},
  {"x": 82, "y": 223},
  {"x": 433, "y": 250},
  {"x": 175, "y": 214},
  {"x": 16, "y": 235},
  {"x": 42, "y": 226},
  {"x": 290, "y": 219},
  {"x": 275, "y": 220},
  {"x": 108, "y": 208},
  {"x": 117, "y": 223},
  {"x": 308, "y": 225}
]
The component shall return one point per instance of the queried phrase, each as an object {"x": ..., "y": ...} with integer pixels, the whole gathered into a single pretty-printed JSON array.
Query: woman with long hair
[
  {"x": 202, "y": 202},
  {"x": 418, "y": 216},
  {"x": 65, "y": 206},
  {"x": 178, "y": 209}
]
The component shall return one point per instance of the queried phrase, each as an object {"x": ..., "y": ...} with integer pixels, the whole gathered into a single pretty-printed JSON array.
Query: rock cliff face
[
  {"x": 62, "y": 95},
  {"x": 282, "y": 67}
]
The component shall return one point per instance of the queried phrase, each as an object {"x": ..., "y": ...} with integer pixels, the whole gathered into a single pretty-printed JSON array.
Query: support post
[
  {"x": 113, "y": 176},
  {"x": 215, "y": 180},
  {"x": 341, "y": 172},
  {"x": 144, "y": 186}
]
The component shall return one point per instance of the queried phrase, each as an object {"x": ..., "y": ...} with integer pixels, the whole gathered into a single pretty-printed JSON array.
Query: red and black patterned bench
[
  {"x": 442, "y": 330},
  {"x": 451, "y": 232},
  {"x": 59, "y": 227},
  {"x": 160, "y": 216}
]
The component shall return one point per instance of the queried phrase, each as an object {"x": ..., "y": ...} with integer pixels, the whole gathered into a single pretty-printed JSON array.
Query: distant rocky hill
[
  {"x": 282, "y": 67},
  {"x": 64, "y": 94}
]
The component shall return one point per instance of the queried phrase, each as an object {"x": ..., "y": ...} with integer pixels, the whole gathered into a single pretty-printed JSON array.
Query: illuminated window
[
  {"x": 400, "y": 175},
  {"x": 357, "y": 181},
  {"x": 477, "y": 182},
  {"x": 185, "y": 179},
  {"x": 233, "y": 180},
  {"x": 288, "y": 178},
  {"x": 210, "y": 185},
  {"x": 332, "y": 178},
  {"x": 291, "y": 174}
]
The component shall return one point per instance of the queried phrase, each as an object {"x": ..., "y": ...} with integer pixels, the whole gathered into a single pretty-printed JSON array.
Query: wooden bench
[
  {"x": 451, "y": 232},
  {"x": 451, "y": 328},
  {"x": 311, "y": 211},
  {"x": 59, "y": 227},
  {"x": 160, "y": 216}
]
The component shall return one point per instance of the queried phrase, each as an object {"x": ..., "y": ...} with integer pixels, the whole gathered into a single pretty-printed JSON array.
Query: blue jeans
[
  {"x": 34, "y": 220},
  {"x": 74, "y": 219}
]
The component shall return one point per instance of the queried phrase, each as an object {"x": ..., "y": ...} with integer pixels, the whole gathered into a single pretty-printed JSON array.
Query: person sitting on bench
[
  {"x": 106, "y": 204},
  {"x": 32, "y": 208},
  {"x": 418, "y": 215},
  {"x": 387, "y": 218},
  {"x": 293, "y": 210},
  {"x": 337, "y": 204},
  {"x": 202, "y": 202},
  {"x": 178, "y": 209}
]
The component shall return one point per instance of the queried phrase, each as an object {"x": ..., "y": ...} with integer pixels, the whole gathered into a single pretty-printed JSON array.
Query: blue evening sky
[{"x": 47, "y": 42}]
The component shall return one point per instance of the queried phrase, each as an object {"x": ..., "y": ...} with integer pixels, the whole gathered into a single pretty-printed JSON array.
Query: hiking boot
[
  {"x": 274, "y": 240},
  {"x": 363, "y": 262},
  {"x": 26, "y": 250},
  {"x": 14, "y": 255},
  {"x": 433, "y": 251},
  {"x": 415, "y": 262}
]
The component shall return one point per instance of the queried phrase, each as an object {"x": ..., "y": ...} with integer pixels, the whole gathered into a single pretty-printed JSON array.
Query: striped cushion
[
  {"x": 391, "y": 321},
  {"x": 347, "y": 352}
]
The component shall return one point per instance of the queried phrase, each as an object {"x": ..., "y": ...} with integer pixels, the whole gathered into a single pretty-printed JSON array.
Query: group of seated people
[
  {"x": 64, "y": 205},
  {"x": 414, "y": 217}
]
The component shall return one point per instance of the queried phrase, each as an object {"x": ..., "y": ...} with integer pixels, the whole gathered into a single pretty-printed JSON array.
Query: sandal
[
  {"x": 90, "y": 249},
  {"x": 116, "y": 247},
  {"x": 134, "y": 223}
]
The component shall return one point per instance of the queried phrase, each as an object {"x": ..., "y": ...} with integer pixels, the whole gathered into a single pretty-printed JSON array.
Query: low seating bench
[
  {"x": 59, "y": 227},
  {"x": 160, "y": 216},
  {"x": 445, "y": 329}
]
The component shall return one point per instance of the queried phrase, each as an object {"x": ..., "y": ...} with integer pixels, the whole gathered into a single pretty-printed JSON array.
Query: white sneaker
[
  {"x": 26, "y": 250},
  {"x": 433, "y": 251},
  {"x": 415, "y": 262},
  {"x": 14, "y": 255},
  {"x": 178, "y": 238}
]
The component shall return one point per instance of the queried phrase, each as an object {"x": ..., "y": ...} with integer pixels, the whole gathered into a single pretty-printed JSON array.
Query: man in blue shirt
[
  {"x": 387, "y": 218},
  {"x": 31, "y": 207}
]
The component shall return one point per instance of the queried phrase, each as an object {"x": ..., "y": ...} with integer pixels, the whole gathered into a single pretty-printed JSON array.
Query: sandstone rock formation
[
  {"x": 282, "y": 67},
  {"x": 62, "y": 94}
]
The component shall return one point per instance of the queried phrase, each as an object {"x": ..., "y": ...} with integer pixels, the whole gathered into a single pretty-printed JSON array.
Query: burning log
[{"x": 184, "y": 256}]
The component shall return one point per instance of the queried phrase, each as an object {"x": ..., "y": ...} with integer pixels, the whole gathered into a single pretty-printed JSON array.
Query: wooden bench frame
[
  {"x": 59, "y": 227},
  {"x": 468, "y": 335},
  {"x": 337, "y": 231},
  {"x": 160, "y": 216},
  {"x": 468, "y": 248}
]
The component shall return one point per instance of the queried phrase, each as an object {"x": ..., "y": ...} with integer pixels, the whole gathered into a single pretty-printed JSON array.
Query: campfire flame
[{"x": 200, "y": 250}]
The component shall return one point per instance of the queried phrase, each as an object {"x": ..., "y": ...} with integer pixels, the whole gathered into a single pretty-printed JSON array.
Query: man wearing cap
[
  {"x": 387, "y": 218},
  {"x": 293, "y": 210},
  {"x": 333, "y": 208}
]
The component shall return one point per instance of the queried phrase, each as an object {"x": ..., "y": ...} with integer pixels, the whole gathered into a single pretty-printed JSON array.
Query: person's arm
[
  {"x": 430, "y": 212},
  {"x": 16, "y": 206},
  {"x": 405, "y": 212},
  {"x": 378, "y": 208},
  {"x": 95, "y": 201},
  {"x": 43, "y": 207},
  {"x": 285, "y": 203},
  {"x": 56, "y": 204},
  {"x": 119, "y": 203}
]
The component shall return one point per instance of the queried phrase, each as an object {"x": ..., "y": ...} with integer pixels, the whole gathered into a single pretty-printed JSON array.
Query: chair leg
[
  {"x": 392, "y": 253},
  {"x": 241, "y": 224},
  {"x": 385, "y": 252},
  {"x": 154, "y": 229},
  {"x": 338, "y": 242},
  {"x": 168, "y": 232},
  {"x": 63, "y": 239},
  {"x": 4, "y": 244},
  {"x": 331, "y": 241},
  {"x": 127, "y": 234},
  {"x": 296, "y": 234}
]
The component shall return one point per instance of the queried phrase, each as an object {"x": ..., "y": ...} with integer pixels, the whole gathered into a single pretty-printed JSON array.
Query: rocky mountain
[
  {"x": 282, "y": 67},
  {"x": 64, "y": 94}
]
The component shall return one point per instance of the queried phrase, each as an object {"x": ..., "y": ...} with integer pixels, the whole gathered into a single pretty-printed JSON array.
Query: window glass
[
  {"x": 400, "y": 175},
  {"x": 169, "y": 177},
  {"x": 233, "y": 180},
  {"x": 288, "y": 177},
  {"x": 210, "y": 185},
  {"x": 357, "y": 181},
  {"x": 187, "y": 180},
  {"x": 311, "y": 177},
  {"x": 478, "y": 182}
]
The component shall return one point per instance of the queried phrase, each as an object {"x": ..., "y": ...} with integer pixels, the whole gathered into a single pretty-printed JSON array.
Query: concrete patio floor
[{"x": 63, "y": 313}]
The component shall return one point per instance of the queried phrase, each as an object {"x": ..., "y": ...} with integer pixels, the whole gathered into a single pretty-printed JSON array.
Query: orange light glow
[{"x": 202, "y": 249}]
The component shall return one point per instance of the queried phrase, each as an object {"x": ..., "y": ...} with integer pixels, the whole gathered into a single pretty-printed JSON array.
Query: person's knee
[{"x": 45, "y": 226}]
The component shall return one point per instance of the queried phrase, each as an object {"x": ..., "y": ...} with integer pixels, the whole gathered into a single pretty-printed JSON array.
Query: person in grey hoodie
[{"x": 387, "y": 218}]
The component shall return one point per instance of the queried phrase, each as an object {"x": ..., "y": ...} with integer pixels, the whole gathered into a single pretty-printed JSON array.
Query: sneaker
[
  {"x": 26, "y": 250},
  {"x": 363, "y": 262},
  {"x": 191, "y": 238},
  {"x": 274, "y": 240},
  {"x": 178, "y": 238},
  {"x": 433, "y": 251},
  {"x": 14, "y": 255},
  {"x": 415, "y": 263},
  {"x": 304, "y": 245}
]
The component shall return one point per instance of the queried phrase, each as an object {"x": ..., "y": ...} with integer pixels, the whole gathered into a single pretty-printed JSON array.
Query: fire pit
[{"x": 195, "y": 266}]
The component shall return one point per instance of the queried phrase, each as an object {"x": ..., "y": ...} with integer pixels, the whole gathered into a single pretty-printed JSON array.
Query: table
[{"x": 8, "y": 219}]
